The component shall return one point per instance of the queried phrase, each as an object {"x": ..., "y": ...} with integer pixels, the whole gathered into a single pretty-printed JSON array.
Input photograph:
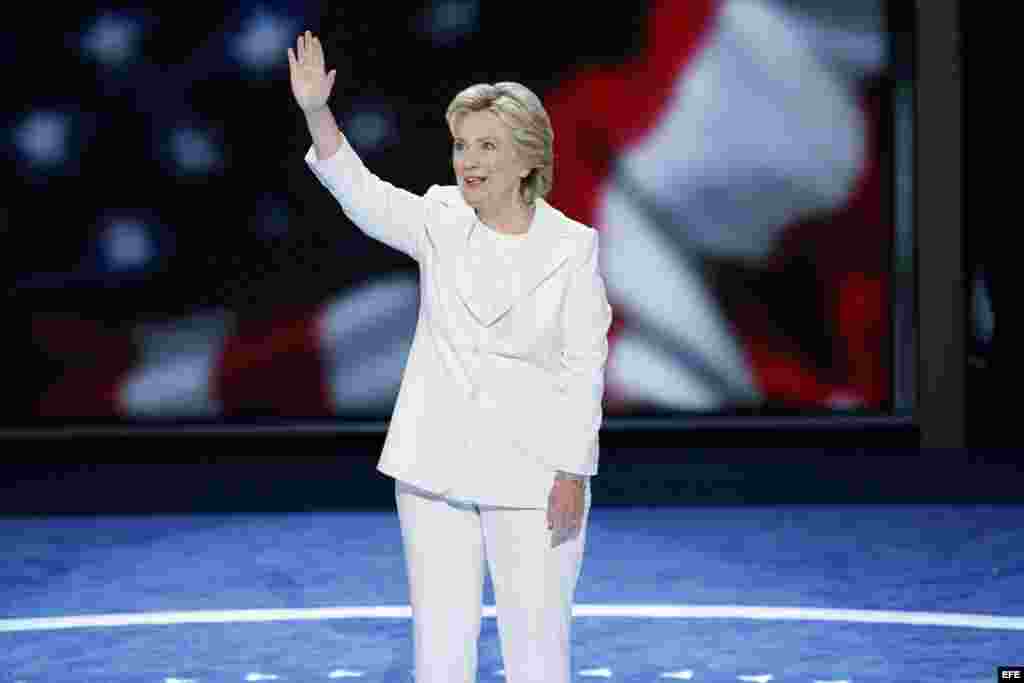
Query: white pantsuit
[
  {"x": 446, "y": 546},
  {"x": 503, "y": 387}
]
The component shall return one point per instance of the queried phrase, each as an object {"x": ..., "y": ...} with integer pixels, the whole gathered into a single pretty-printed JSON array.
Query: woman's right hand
[{"x": 311, "y": 86}]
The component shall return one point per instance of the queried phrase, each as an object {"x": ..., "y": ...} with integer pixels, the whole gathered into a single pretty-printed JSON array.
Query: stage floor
[{"x": 781, "y": 593}]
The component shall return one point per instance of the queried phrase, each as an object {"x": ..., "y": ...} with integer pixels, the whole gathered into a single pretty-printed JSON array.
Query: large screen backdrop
[{"x": 169, "y": 255}]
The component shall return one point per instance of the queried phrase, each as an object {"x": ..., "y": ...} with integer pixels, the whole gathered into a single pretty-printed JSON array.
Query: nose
[{"x": 469, "y": 160}]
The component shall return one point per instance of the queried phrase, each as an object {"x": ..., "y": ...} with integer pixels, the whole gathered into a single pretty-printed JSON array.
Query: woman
[{"x": 495, "y": 430}]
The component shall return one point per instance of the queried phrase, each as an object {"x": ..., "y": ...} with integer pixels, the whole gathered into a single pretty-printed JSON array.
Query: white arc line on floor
[
  {"x": 952, "y": 619},
  {"x": 682, "y": 675},
  {"x": 962, "y": 620}
]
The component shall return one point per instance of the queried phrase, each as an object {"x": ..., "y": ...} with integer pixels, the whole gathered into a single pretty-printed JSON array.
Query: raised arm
[
  {"x": 382, "y": 211},
  {"x": 311, "y": 86}
]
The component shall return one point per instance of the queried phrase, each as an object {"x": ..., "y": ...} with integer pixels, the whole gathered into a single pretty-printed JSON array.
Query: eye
[
  {"x": 457, "y": 146},
  {"x": 489, "y": 145}
]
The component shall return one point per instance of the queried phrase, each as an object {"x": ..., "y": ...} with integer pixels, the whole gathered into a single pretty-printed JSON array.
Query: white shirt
[{"x": 501, "y": 256}]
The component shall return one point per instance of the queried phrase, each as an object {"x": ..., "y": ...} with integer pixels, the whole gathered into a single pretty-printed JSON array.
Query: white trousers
[{"x": 446, "y": 544}]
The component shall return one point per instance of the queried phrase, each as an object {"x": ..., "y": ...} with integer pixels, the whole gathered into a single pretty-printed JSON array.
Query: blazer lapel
[{"x": 548, "y": 246}]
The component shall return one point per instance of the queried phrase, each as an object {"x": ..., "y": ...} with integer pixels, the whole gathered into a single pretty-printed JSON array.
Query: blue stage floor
[{"x": 873, "y": 593}]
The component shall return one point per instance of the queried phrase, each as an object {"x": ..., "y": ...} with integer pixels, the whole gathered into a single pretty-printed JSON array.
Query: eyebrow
[{"x": 486, "y": 137}]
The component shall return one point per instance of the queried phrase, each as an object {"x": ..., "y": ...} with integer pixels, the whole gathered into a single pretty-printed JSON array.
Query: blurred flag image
[
  {"x": 747, "y": 138},
  {"x": 735, "y": 168}
]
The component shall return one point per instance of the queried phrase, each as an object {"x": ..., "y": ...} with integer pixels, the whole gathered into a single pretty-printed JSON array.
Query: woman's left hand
[{"x": 565, "y": 505}]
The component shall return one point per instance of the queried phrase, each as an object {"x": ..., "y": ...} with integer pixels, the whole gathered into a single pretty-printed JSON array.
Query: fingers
[
  {"x": 317, "y": 52},
  {"x": 563, "y": 527},
  {"x": 304, "y": 47},
  {"x": 308, "y": 51},
  {"x": 565, "y": 505},
  {"x": 564, "y": 516}
]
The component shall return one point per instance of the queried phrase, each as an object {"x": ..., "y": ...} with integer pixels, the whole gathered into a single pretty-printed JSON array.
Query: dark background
[
  {"x": 702, "y": 460},
  {"x": 251, "y": 233}
]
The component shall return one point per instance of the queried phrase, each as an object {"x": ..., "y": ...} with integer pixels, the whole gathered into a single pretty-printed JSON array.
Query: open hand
[
  {"x": 565, "y": 508},
  {"x": 311, "y": 86}
]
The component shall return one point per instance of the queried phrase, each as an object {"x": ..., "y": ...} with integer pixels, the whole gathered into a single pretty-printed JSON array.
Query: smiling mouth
[{"x": 473, "y": 182}]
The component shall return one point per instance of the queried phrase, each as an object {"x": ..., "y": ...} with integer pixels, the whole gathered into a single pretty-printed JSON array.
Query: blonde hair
[{"x": 521, "y": 110}]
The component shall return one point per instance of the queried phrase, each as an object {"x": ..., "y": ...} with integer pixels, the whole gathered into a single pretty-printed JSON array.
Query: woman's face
[{"x": 487, "y": 165}]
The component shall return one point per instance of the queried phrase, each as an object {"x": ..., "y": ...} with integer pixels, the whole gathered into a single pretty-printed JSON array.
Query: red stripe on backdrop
[
  {"x": 852, "y": 247},
  {"x": 95, "y": 357},
  {"x": 857, "y": 269},
  {"x": 273, "y": 366},
  {"x": 600, "y": 111}
]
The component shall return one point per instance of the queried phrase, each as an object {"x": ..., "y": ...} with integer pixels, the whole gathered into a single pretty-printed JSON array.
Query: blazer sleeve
[
  {"x": 586, "y": 319},
  {"x": 380, "y": 210}
]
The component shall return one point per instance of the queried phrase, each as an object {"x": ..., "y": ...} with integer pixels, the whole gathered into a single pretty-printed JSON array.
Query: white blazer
[{"x": 500, "y": 391}]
